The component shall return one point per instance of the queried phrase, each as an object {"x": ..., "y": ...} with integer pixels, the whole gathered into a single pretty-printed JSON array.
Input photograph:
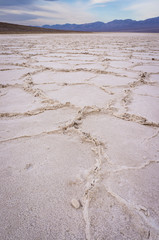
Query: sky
[{"x": 41, "y": 12}]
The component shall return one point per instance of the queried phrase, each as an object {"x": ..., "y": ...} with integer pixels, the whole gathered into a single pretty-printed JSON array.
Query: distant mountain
[
  {"x": 149, "y": 25},
  {"x": 15, "y": 28}
]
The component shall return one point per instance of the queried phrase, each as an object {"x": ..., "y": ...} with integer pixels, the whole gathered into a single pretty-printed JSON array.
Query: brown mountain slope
[{"x": 9, "y": 28}]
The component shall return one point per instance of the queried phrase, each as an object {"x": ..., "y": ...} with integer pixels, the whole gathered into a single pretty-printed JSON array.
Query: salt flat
[{"x": 79, "y": 119}]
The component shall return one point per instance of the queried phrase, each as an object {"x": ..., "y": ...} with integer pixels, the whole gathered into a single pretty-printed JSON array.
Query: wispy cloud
[
  {"x": 72, "y": 13},
  {"x": 51, "y": 0},
  {"x": 144, "y": 9},
  {"x": 45, "y": 12},
  {"x": 18, "y": 17},
  {"x": 100, "y": 1}
]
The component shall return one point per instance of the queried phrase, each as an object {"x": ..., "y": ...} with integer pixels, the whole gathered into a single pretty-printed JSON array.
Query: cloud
[
  {"x": 17, "y": 17},
  {"x": 41, "y": 12},
  {"x": 29, "y": 17},
  {"x": 76, "y": 12},
  {"x": 144, "y": 9},
  {"x": 100, "y": 1}
]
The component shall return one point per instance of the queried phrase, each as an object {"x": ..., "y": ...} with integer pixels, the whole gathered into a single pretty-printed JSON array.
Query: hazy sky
[{"x": 39, "y": 12}]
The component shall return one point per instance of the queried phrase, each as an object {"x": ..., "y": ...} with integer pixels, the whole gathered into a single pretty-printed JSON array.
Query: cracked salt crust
[
  {"x": 17, "y": 100},
  {"x": 147, "y": 91},
  {"x": 14, "y": 76},
  {"x": 146, "y": 106},
  {"x": 82, "y": 96},
  {"x": 79, "y": 120},
  {"x": 44, "y": 122},
  {"x": 39, "y": 198},
  {"x": 120, "y": 144},
  {"x": 147, "y": 68},
  {"x": 111, "y": 80},
  {"x": 62, "y": 77},
  {"x": 154, "y": 78}
]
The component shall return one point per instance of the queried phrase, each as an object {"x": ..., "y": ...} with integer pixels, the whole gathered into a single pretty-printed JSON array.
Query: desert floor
[{"x": 79, "y": 137}]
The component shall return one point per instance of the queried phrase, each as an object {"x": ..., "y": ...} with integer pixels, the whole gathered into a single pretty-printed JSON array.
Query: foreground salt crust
[{"x": 79, "y": 142}]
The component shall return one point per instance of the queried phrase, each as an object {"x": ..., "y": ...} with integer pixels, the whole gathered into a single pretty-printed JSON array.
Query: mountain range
[{"x": 149, "y": 25}]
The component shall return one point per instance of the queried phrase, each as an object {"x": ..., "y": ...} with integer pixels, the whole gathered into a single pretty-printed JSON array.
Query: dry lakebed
[{"x": 79, "y": 136}]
